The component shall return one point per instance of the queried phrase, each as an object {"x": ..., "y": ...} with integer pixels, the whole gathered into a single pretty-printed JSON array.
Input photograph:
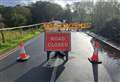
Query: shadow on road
[
  {"x": 40, "y": 74},
  {"x": 60, "y": 69},
  {"x": 95, "y": 72},
  {"x": 10, "y": 65}
]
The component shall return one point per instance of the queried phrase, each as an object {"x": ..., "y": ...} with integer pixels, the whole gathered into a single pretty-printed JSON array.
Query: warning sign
[
  {"x": 57, "y": 41},
  {"x": 62, "y": 26}
]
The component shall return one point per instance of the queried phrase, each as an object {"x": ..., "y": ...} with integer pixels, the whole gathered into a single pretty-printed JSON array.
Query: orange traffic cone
[
  {"x": 95, "y": 59},
  {"x": 22, "y": 56}
]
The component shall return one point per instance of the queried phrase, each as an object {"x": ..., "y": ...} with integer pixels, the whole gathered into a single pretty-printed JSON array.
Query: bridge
[{"x": 76, "y": 69}]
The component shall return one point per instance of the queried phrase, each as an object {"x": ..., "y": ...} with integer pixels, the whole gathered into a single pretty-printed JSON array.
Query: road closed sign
[{"x": 57, "y": 41}]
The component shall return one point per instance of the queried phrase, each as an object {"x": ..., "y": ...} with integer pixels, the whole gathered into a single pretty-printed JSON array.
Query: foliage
[
  {"x": 45, "y": 11},
  {"x": 18, "y": 19},
  {"x": 14, "y": 37},
  {"x": 82, "y": 11},
  {"x": 113, "y": 33},
  {"x": 103, "y": 14}
]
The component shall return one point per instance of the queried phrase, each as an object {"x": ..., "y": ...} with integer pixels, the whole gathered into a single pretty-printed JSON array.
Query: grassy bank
[{"x": 13, "y": 39}]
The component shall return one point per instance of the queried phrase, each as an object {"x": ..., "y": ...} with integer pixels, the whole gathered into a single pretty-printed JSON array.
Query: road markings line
[
  {"x": 8, "y": 53},
  {"x": 15, "y": 49},
  {"x": 54, "y": 71}
]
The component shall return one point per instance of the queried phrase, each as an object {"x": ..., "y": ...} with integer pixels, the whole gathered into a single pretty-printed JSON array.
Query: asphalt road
[{"x": 76, "y": 69}]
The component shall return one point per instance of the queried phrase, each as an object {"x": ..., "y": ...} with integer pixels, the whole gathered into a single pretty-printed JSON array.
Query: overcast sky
[{"x": 14, "y": 2}]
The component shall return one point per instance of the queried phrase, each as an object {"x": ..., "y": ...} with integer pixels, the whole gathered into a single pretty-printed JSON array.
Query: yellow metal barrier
[{"x": 65, "y": 26}]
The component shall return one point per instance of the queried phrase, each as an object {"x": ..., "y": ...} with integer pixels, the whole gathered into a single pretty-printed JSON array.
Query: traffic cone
[
  {"x": 22, "y": 56},
  {"x": 95, "y": 59}
]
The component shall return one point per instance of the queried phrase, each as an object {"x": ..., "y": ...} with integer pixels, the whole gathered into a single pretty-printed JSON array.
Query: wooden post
[
  {"x": 1, "y": 32},
  {"x": 3, "y": 37}
]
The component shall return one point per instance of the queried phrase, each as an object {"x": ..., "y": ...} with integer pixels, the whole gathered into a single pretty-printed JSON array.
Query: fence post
[
  {"x": 3, "y": 37},
  {"x": 21, "y": 31},
  {"x": 2, "y": 25}
]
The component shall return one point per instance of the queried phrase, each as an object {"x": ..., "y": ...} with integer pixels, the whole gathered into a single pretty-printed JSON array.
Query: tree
[
  {"x": 24, "y": 11},
  {"x": 2, "y": 8},
  {"x": 82, "y": 11},
  {"x": 45, "y": 11},
  {"x": 113, "y": 33},
  {"x": 103, "y": 12},
  {"x": 15, "y": 15},
  {"x": 67, "y": 14},
  {"x": 18, "y": 19}
]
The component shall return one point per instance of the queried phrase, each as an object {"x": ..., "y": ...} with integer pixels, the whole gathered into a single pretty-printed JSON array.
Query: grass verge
[{"x": 10, "y": 44}]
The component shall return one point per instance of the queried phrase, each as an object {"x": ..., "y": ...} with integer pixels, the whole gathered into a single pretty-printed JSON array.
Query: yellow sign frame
[{"x": 64, "y": 26}]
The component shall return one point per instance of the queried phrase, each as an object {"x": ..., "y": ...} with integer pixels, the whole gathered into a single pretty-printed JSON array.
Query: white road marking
[
  {"x": 15, "y": 49},
  {"x": 8, "y": 53},
  {"x": 54, "y": 71}
]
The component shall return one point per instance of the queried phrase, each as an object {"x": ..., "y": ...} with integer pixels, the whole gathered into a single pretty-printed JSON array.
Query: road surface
[{"x": 77, "y": 69}]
